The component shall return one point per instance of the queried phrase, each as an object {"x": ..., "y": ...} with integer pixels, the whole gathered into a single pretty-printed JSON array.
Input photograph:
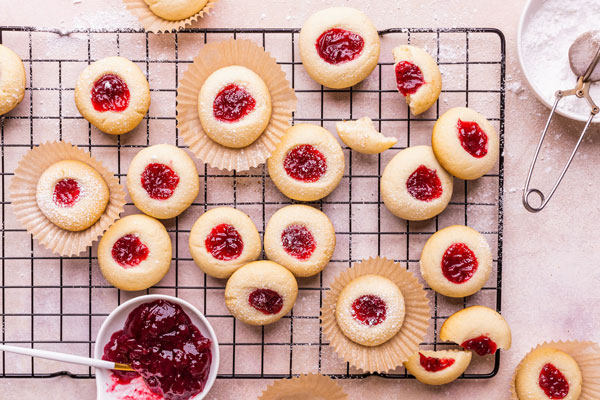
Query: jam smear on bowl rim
[
  {"x": 305, "y": 163},
  {"x": 409, "y": 77},
  {"x": 165, "y": 348},
  {"x": 424, "y": 184},
  {"x": 369, "y": 309},
  {"x": 159, "y": 181},
  {"x": 224, "y": 242},
  {"x": 472, "y": 138},
  {"x": 434, "y": 364},
  {"x": 459, "y": 263},
  {"x": 337, "y": 46},
  {"x": 129, "y": 251},
  {"x": 266, "y": 301},
  {"x": 233, "y": 103},
  {"x": 66, "y": 192},
  {"x": 481, "y": 345},
  {"x": 110, "y": 93},
  {"x": 298, "y": 242},
  {"x": 553, "y": 382}
]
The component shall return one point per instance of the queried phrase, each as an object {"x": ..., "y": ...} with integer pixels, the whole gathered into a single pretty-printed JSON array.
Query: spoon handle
[{"x": 69, "y": 358}]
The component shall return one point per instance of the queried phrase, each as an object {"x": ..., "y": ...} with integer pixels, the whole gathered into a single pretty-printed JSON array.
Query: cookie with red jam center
[{"x": 438, "y": 367}]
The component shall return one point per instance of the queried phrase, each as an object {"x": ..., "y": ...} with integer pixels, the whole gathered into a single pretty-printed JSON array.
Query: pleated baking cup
[
  {"x": 153, "y": 23},
  {"x": 587, "y": 356},
  {"x": 399, "y": 348},
  {"x": 22, "y": 193},
  {"x": 212, "y": 57},
  {"x": 311, "y": 386}
]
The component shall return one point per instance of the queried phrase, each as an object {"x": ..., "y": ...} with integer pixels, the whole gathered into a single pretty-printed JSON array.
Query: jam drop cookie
[
  {"x": 414, "y": 185},
  {"x": 548, "y": 373},
  {"x": 234, "y": 106},
  {"x": 370, "y": 310},
  {"x": 222, "y": 240},
  {"x": 477, "y": 328},
  {"x": 135, "y": 252},
  {"x": 418, "y": 77},
  {"x": 438, "y": 367},
  {"x": 339, "y": 47},
  {"x": 162, "y": 181},
  {"x": 72, "y": 195},
  {"x": 261, "y": 292},
  {"x": 113, "y": 95},
  {"x": 301, "y": 238},
  {"x": 307, "y": 164},
  {"x": 12, "y": 79},
  {"x": 465, "y": 143},
  {"x": 456, "y": 261},
  {"x": 361, "y": 135},
  {"x": 175, "y": 10}
]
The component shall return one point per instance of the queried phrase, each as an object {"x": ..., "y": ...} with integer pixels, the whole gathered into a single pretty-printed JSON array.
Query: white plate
[{"x": 116, "y": 320}]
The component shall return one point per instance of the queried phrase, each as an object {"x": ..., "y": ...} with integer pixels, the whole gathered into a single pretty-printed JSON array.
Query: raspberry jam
[
  {"x": 298, "y": 242},
  {"x": 481, "y": 345},
  {"x": 266, "y": 301},
  {"x": 159, "y": 181},
  {"x": 129, "y": 251},
  {"x": 409, "y": 78},
  {"x": 165, "y": 348},
  {"x": 337, "y": 46},
  {"x": 369, "y": 309},
  {"x": 459, "y": 263},
  {"x": 423, "y": 184},
  {"x": 472, "y": 138},
  {"x": 433, "y": 364},
  {"x": 553, "y": 382},
  {"x": 66, "y": 192},
  {"x": 233, "y": 103},
  {"x": 110, "y": 93},
  {"x": 305, "y": 163},
  {"x": 224, "y": 242}
]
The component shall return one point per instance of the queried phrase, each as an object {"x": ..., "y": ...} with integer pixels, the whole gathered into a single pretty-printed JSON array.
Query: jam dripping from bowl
[{"x": 165, "y": 348}]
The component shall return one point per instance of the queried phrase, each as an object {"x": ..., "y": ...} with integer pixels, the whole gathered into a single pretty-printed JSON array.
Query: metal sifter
[{"x": 583, "y": 48}]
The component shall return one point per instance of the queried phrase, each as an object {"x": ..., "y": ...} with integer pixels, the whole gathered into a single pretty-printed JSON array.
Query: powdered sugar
[{"x": 545, "y": 46}]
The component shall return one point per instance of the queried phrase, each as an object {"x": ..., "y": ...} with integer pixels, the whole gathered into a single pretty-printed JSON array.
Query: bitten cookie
[
  {"x": 456, "y": 261},
  {"x": 113, "y": 95},
  {"x": 261, "y": 293},
  {"x": 12, "y": 80},
  {"x": 339, "y": 47},
  {"x": 162, "y": 181},
  {"x": 465, "y": 143},
  {"x": 308, "y": 163},
  {"x": 301, "y": 238},
  {"x": 548, "y": 373},
  {"x": 414, "y": 186},
  {"x": 370, "y": 310},
  {"x": 418, "y": 77},
  {"x": 234, "y": 106},
  {"x": 175, "y": 10},
  {"x": 72, "y": 195},
  {"x": 477, "y": 328},
  {"x": 438, "y": 367},
  {"x": 222, "y": 240},
  {"x": 361, "y": 135},
  {"x": 135, "y": 252}
]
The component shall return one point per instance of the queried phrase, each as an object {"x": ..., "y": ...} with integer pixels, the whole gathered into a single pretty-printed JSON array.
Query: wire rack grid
[{"x": 57, "y": 303}]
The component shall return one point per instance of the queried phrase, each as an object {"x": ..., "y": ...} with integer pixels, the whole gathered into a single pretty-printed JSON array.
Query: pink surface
[{"x": 549, "y": 279}]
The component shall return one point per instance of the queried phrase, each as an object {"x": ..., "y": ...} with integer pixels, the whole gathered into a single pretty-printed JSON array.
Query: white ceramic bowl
[
  {"x": 529, "y": 11},
  {"x": 116, "y": 320}
]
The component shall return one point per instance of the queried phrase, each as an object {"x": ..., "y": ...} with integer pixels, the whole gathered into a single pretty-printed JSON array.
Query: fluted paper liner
[
  {"x": 212, "y": 57},
  {"x": 153, "y": 23},
  {"x": 304, "y": 387},
  {"x": 398, "y": 349},
  {"x": 22, "y": 193},
  {"x": 587, "y": 356}
]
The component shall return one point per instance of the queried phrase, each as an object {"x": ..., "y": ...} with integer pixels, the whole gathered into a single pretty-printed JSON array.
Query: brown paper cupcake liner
[
  {"x": 587, "y": 356},
  {"x": 212, "y": 57},
  {"x": 22, "y": 193},
  {"x": 311, "y": 386},
  {"x": 398, "y": 349},
  {"x": 153, "y": 23}
]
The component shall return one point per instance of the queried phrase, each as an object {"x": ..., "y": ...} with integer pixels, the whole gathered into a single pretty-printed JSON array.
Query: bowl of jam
[{"x": 168, "y": 342}]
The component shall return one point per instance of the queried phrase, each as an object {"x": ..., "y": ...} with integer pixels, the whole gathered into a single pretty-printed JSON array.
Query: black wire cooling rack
[{"x": 58, "y": 303}]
